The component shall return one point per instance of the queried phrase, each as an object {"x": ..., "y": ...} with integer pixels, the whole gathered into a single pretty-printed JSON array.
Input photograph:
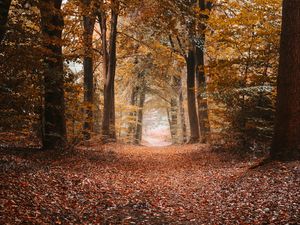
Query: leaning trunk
[
  {"x": 54, "y": 109},
  {"x": 286, "y": 141},
  {"x": 4, "y": 9}
]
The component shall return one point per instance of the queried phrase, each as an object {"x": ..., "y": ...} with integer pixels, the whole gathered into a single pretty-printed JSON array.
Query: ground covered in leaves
[{"x": 117, "y": 184}]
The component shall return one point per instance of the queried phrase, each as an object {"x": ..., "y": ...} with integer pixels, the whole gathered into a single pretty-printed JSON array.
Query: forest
[{"x": 149, "y": 112}]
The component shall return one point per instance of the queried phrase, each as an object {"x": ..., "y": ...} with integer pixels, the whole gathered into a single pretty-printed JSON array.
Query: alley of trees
[{"x": 92, "y": 80}]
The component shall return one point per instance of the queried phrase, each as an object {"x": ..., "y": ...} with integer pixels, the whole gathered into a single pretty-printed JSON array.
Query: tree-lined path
[
  {"x": 88, "y": 86},
  {"x": 116, "y": 184}
]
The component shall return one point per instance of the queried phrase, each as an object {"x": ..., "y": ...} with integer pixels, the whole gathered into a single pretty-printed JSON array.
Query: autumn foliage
[{"x": 86, "y": 85}]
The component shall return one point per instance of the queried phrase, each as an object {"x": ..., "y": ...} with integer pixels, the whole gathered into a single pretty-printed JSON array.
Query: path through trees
[{"x": 116, "y": 184}]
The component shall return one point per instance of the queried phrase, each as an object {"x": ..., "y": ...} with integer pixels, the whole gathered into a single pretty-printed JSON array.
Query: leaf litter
[{"x": 122, "y": 184}]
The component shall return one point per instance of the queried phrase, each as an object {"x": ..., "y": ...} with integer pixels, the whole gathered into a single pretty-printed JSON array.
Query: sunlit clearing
[{"x": 156, "y": 130}]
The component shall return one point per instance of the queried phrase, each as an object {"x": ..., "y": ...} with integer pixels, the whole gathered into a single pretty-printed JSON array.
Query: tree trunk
[
  {"x": 88, "y": 25},
  {"x": 4, "y": 10},
  {"x": 139, "y": 126},
  {"x": 182, "y": 113},
  {"x": 113, "y": 114},
  {"x": 108, "y": 124},
  {"x": 54, "y": 109},
  {"x": 132, "y": 123},
  {"x": 286, "y": 140},
  {"x": 173, "y": 118},
  {"x": 192, "y": 111},
  {"x": 204, "y": 125},
  {"x": 174, "y": 110}
]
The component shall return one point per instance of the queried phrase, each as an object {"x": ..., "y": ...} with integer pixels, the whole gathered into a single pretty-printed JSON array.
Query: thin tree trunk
[
  {"x": 113, "y": 115},
  {"x": 4, "y": 10},
  {"x": 139, "y": 126},
  {"x": 97, "y": 113},
  {"x": 54, "y": 109},
  {"x": 88, "y": 25},
  {"x": 174, "y": 110},
  {"x": 133, "y": 102},
  {"x": 169, "y": 121},
  {"x": 173, "y": 118},
  {"x": 182, "y": 113},
  {"x": 286, "y": 140},
  {"x": 192, "y": 111}
]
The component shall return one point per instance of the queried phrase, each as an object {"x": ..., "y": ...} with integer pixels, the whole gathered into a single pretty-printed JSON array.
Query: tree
[
  {"x": 54, "y": 124},
  {"x": 20, "y": 77},
  {"x": 109, "y": 69},
  {"x": 192, "y": 111},
  {"x": 286, "y": 140},
  {"x": 4, "y": 9},
  {"x": 88, "y": 25},
  {"x": 242, "y": 49},
  {"x": 141, "y": 102},
  {"x": 204, "y": 125}
]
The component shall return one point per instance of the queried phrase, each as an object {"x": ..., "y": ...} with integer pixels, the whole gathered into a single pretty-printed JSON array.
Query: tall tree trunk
[
  {"x": 4, "y": 10},
  {"x": 174, "y": 110},
  {"x": 139, "y": 126},
  {"x": 204, "y": 124},
  {"x": 286, "y": 140},
  {"x": 173, "y": 118},
  {"x": 192, "y": 111},
  {"x": 54, "y": 110},
  {"x": 182, "y": 113},
  {"x": 133, "y": 115},
  {"x": 177, "y": 82},
  {"x": 113, "y": 114},
  {"x": 108, "y": 124},
  {"x": 88, "y": 25}
]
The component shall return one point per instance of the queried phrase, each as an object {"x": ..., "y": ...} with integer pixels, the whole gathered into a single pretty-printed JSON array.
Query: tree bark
[
  {"x": 204, "y": 124},
  {"x": 174, "y": 110},
  {"x": 173, "y": 118},
  {"x": 88, "y": 25},
  {"x": 182, "y": 113},
  {"x": 139, "y": 126},
  {"x": 192, "y": 111},
  {"x": 54, "y": 104},
  {"x": 286, "y": 140},
  {"x": 4, "y": 10},
  {"x": 108, "y": 124},
  {"x": 132, "y": 123}
]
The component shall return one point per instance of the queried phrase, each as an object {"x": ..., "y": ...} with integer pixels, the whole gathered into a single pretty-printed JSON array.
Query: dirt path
[{"x": 119, "y": 184}]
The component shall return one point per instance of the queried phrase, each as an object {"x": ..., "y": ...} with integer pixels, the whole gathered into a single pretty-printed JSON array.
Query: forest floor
[{"x": 119, "y": 184}]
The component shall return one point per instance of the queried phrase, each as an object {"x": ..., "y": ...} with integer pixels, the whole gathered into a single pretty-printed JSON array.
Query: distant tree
[
  {"x": 286, "y": 140},
  {"x": 141, "y": 102},
  {"x": 4, "y": 9},
  {"x": 54, "y": 104}
]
